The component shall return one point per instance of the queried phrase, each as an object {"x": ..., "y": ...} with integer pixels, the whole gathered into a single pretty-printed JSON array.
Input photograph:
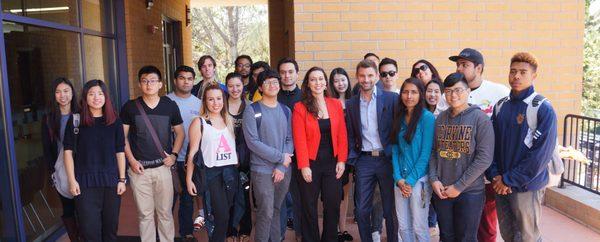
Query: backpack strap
[
  {"x": 151, "y": 130},
  {"x": 76, "y": 122},
  {"x": 285, "y": 110},
  {"x": 534, "y": 102},
  {"x": 499, "y": 104},
  {"x": 257, "y": 114}
]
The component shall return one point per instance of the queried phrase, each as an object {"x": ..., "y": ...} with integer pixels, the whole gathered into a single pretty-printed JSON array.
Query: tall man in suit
[{"x": 369, "y": 121}]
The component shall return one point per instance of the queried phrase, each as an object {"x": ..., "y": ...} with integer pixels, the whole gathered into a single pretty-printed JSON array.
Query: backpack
[
  {"x": 258, "y": 113},
  {"x": 534, "y": 101},
  {"x": 59, "y": 176}
]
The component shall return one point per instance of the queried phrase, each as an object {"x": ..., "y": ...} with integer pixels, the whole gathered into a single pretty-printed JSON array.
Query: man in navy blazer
[{"x": 369, "y": 121}]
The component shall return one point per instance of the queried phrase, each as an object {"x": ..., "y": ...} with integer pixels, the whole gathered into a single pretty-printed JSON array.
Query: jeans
[
  {"x": 269, "y": 197},
  {"x": 292, "y": 207},
  {"x": 412, "y": 212},
  {"x": 519, "y": 215},
  {"x": 186, "y": 204},
  {"x": 459, "y": 217},
  {"x": 241, "y": 205},
  {"x": 371, "y": 171},
  {"x": 488, "y": 225},
  {"x": 222, "y": 191},
  {"x": 432, "y": 218}
]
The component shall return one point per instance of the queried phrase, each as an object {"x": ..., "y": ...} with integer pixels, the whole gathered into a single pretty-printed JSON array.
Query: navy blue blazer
[{"x": 386, "y": 106}]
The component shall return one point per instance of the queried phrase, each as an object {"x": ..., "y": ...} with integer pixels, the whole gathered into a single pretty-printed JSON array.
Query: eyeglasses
[
  {"x": 457, "y": 91},
  {"x": 384, "y": 74},
  {"x": 149, "y": 82},
  {"x": 242, "y": 65},
  {"x": 421, "y": 68},
  {"x": 271, "y": 83}
]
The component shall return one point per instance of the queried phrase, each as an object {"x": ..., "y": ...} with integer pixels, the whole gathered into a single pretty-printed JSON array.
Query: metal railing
[{"x": 583, "y": 134}]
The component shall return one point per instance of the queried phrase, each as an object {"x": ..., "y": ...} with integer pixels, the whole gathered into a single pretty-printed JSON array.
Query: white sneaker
[
  {"x": 198, "y": 223},
  {"x": 376, "y": 236}
]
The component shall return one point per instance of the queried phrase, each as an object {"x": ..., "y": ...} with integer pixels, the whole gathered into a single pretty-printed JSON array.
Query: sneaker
[
  {"x": 347, "y": 236},
  {"x": 376, "y": 236},
  {"x": 290, "y": 224},
  {"x": 199, "y": 222},
  {"x": 189, "y": 238}
]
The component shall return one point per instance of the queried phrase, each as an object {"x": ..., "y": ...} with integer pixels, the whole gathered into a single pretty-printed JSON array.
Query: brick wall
[
  {"x": 145, "y": 48},
  {"x": 334, "y": 33}
]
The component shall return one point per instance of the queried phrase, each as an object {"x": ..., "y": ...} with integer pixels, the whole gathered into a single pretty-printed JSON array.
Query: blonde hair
[
  {"x": 525, "y": 57},
  {"x": 224, "y": 112}
]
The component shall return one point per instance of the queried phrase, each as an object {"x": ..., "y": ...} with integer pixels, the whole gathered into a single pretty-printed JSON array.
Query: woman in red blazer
[{"x": 321, "y": 144}]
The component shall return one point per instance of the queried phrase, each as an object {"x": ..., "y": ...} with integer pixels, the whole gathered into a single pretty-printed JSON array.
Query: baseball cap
[{"x": 469, "y": 54}]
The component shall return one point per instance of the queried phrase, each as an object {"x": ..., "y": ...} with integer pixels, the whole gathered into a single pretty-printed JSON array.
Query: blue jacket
[
  {"x": 411, "y": 161},
  {"x": 386, "y": 105},
  {"x": 523, "y": 168}
]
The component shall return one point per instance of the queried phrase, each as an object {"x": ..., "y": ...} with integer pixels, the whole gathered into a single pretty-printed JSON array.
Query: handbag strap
[{"x": 151, "y": 129}]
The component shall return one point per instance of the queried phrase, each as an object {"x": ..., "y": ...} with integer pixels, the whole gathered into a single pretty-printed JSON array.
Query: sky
[{"x": 594, "y": 7}]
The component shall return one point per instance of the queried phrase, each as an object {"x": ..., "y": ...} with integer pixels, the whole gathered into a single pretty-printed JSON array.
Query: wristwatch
[
  {"x": 123, "y": 180},
  {"x": 175, "y": 154}
]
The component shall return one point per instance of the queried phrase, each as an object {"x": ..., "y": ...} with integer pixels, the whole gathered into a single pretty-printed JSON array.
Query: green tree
[
  {"x": 591, "y": 63},
  {"x": 226, "y": 32}
]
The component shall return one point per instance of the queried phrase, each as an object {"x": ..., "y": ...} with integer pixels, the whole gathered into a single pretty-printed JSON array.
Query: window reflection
[
  {"x": 59, "y": 11},
  {"x": 35, "y": 56}
]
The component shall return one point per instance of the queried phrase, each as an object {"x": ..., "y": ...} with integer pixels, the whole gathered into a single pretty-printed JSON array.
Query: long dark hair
[
  {"x": 108, "y": 110},
  {"x": 53, "y": 109},
  {"x": 403, "y": 110},
  {"x": 434, "y": 72},
  {"x": 333, "y": 92},
  {"x": 308, "y": 99}
]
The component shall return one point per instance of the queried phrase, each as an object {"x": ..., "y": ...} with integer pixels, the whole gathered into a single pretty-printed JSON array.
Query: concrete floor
[{"x": 555, "y": 226}]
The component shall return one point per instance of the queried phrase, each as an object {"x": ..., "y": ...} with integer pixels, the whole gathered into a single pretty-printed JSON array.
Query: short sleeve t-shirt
[
  {"x": 189, "y": 108},
  {"x": 487, "y": 95},
  {"x": 162, "y": 117}
]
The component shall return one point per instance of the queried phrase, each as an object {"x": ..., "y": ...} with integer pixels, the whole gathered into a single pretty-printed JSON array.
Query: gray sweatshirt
[
  {"x": 270, "y": 142},
  {"x": 463, "y": 149}
]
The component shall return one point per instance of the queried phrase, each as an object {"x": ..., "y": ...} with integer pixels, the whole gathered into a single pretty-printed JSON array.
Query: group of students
[{"x": 419, "y": 154}]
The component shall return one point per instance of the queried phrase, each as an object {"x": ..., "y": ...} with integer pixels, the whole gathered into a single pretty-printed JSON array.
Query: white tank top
[{"x": 218, "y": 146}]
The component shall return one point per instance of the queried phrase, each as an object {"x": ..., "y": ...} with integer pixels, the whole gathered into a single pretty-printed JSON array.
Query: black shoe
[
  {"x": 290, "y": 224},
  {"x": 346, "y": 236},
  {"x": 189, "y": 238}
]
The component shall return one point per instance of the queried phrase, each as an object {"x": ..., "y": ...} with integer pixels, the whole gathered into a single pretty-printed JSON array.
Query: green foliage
[
  {"x": 591, "y": 64},
  {"x": 226, "y": 32}
]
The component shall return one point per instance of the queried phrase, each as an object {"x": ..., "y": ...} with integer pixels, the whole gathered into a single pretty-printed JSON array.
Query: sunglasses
[
  {"x": 421, "y": 68},
  {"x": 385, "y": 74}
]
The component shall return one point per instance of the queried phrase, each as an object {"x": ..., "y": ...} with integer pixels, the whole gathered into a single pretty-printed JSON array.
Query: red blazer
[{"x": 307, "y": 135}]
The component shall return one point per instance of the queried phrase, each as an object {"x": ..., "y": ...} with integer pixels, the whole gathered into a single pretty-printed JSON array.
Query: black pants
[
  {"x": 68, "y": 207},
  {"x": 330, "y": 188},
  {"x": 98, "y": 211},
  {"x": 245, "y": 224},
  {"x": 221, "y": 201}
]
